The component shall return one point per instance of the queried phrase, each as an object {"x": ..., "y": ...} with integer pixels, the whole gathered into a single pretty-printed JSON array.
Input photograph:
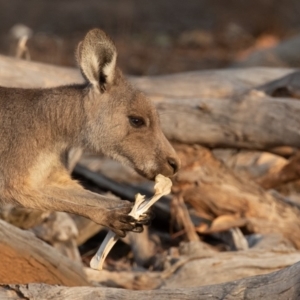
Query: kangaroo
[{"x": 106, "y": 115}]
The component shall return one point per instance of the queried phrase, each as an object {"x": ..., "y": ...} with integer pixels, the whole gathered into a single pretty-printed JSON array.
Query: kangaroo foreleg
[{"x": 108, "y": 212}]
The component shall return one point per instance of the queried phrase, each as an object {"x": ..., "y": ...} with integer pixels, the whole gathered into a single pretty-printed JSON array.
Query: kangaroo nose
[{"x": 174, "y": 163}]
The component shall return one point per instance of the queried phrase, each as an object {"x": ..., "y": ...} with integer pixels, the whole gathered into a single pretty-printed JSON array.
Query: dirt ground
[{"x": 153, "y": 37}]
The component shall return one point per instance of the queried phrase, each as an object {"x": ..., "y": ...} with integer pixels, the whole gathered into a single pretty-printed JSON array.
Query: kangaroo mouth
[{"x": 150, "y": 176}]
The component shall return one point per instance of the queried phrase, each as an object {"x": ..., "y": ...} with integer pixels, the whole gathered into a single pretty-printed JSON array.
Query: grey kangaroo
[{"x": 38, "y": 127}]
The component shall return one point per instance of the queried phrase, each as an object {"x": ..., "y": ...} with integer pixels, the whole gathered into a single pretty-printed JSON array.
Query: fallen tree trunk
[
  {"x": 252, "y": 121},
  {"x": 280, "y": 285},
  {"x": 27, "y": 74},
  {"x": 25, "y": 258},
  {"x": 226, "y": 266},
  {"x": 215, "y": 84},
  {"x": 56, "y": 228},
  {"x": 287, "y": 86},
  {"x": 186, "y": 267},
  {"x": 60, "y": 231}
]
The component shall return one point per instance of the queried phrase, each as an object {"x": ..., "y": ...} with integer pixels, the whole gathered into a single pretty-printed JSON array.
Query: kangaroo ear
[{"x": 96, "y": 56}]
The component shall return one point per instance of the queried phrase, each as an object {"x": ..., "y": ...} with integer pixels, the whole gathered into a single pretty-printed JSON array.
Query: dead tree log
[
  {"x": 56, "y": 228},
  {"x": 60, "y": 231},
  {"x": 225, "y": 266},
  {"x": 26, "y": 74},
  {"x": 287, "y": 86},
  {"x": 280, "y": 285},
  {"x": 25, "y": 258},
  {"x": 252, "y": 121},
  {"x": 214, "y": 84},
  {"x": 208, "y": 84},
  {"x": 185, "y": 269}
]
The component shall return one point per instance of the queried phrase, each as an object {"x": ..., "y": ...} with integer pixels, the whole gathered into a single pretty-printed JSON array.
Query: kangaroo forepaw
[
  {"x": 146, "y": 218},
  {"x": 121, "y": 224},
  {"x": 118, "y": 220}
]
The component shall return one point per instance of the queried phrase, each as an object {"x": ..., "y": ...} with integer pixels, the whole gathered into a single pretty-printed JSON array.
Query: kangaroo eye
[{"x": 136, "y": 121}]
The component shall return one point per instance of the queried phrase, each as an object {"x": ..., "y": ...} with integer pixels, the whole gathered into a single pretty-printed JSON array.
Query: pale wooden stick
[{"x": 162, "y": 187}]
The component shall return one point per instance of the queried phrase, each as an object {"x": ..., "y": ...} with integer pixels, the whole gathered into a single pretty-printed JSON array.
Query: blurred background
[{"x": 154, "y": 37}]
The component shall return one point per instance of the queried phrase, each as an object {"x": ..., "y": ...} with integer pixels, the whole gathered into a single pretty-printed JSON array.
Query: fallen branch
[
  {"x": 25, "y": 258},
  {"x": 281, "y": 285},
  {"x": 181, "y": 214},
  {"x": 124, "y": 191},
  {"x": 215, "y": 191},
  {"x": 141, "y": 206}
]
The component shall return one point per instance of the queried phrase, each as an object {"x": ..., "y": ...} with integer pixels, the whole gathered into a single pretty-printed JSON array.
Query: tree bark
[
  {"x": 252, "y": 121},
  {"x": 25, "y": 258},
  {"x": 221, "y": 267},
  {"x": 280, "y": 285}
]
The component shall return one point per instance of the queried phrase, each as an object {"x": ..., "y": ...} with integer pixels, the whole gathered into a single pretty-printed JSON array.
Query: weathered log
[
  {"x": 22, "y": 217},
  {"x": 27, "y": 74},
  {"x": 196, "y": 256},
  {"x": 214, "y": 84},
  {"x": 251, "y": 121},
  {"x": 231, "y": 200},
  {"x": 56, "y": 228},
  {"x": 25, "y": 258},
  {"x": 269, "y": 242},
  {"x": 132, "y": 280},
  {"x": 60, "y": 231},
  {"x": 280, "y": 285},
  {"x": 226, "y": 266},
  {"x": 286, "y": 86},
  {"x": 208, "y": 84}
]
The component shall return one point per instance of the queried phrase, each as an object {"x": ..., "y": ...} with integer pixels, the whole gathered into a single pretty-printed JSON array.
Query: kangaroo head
[{"x": 121, "y": 122}]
